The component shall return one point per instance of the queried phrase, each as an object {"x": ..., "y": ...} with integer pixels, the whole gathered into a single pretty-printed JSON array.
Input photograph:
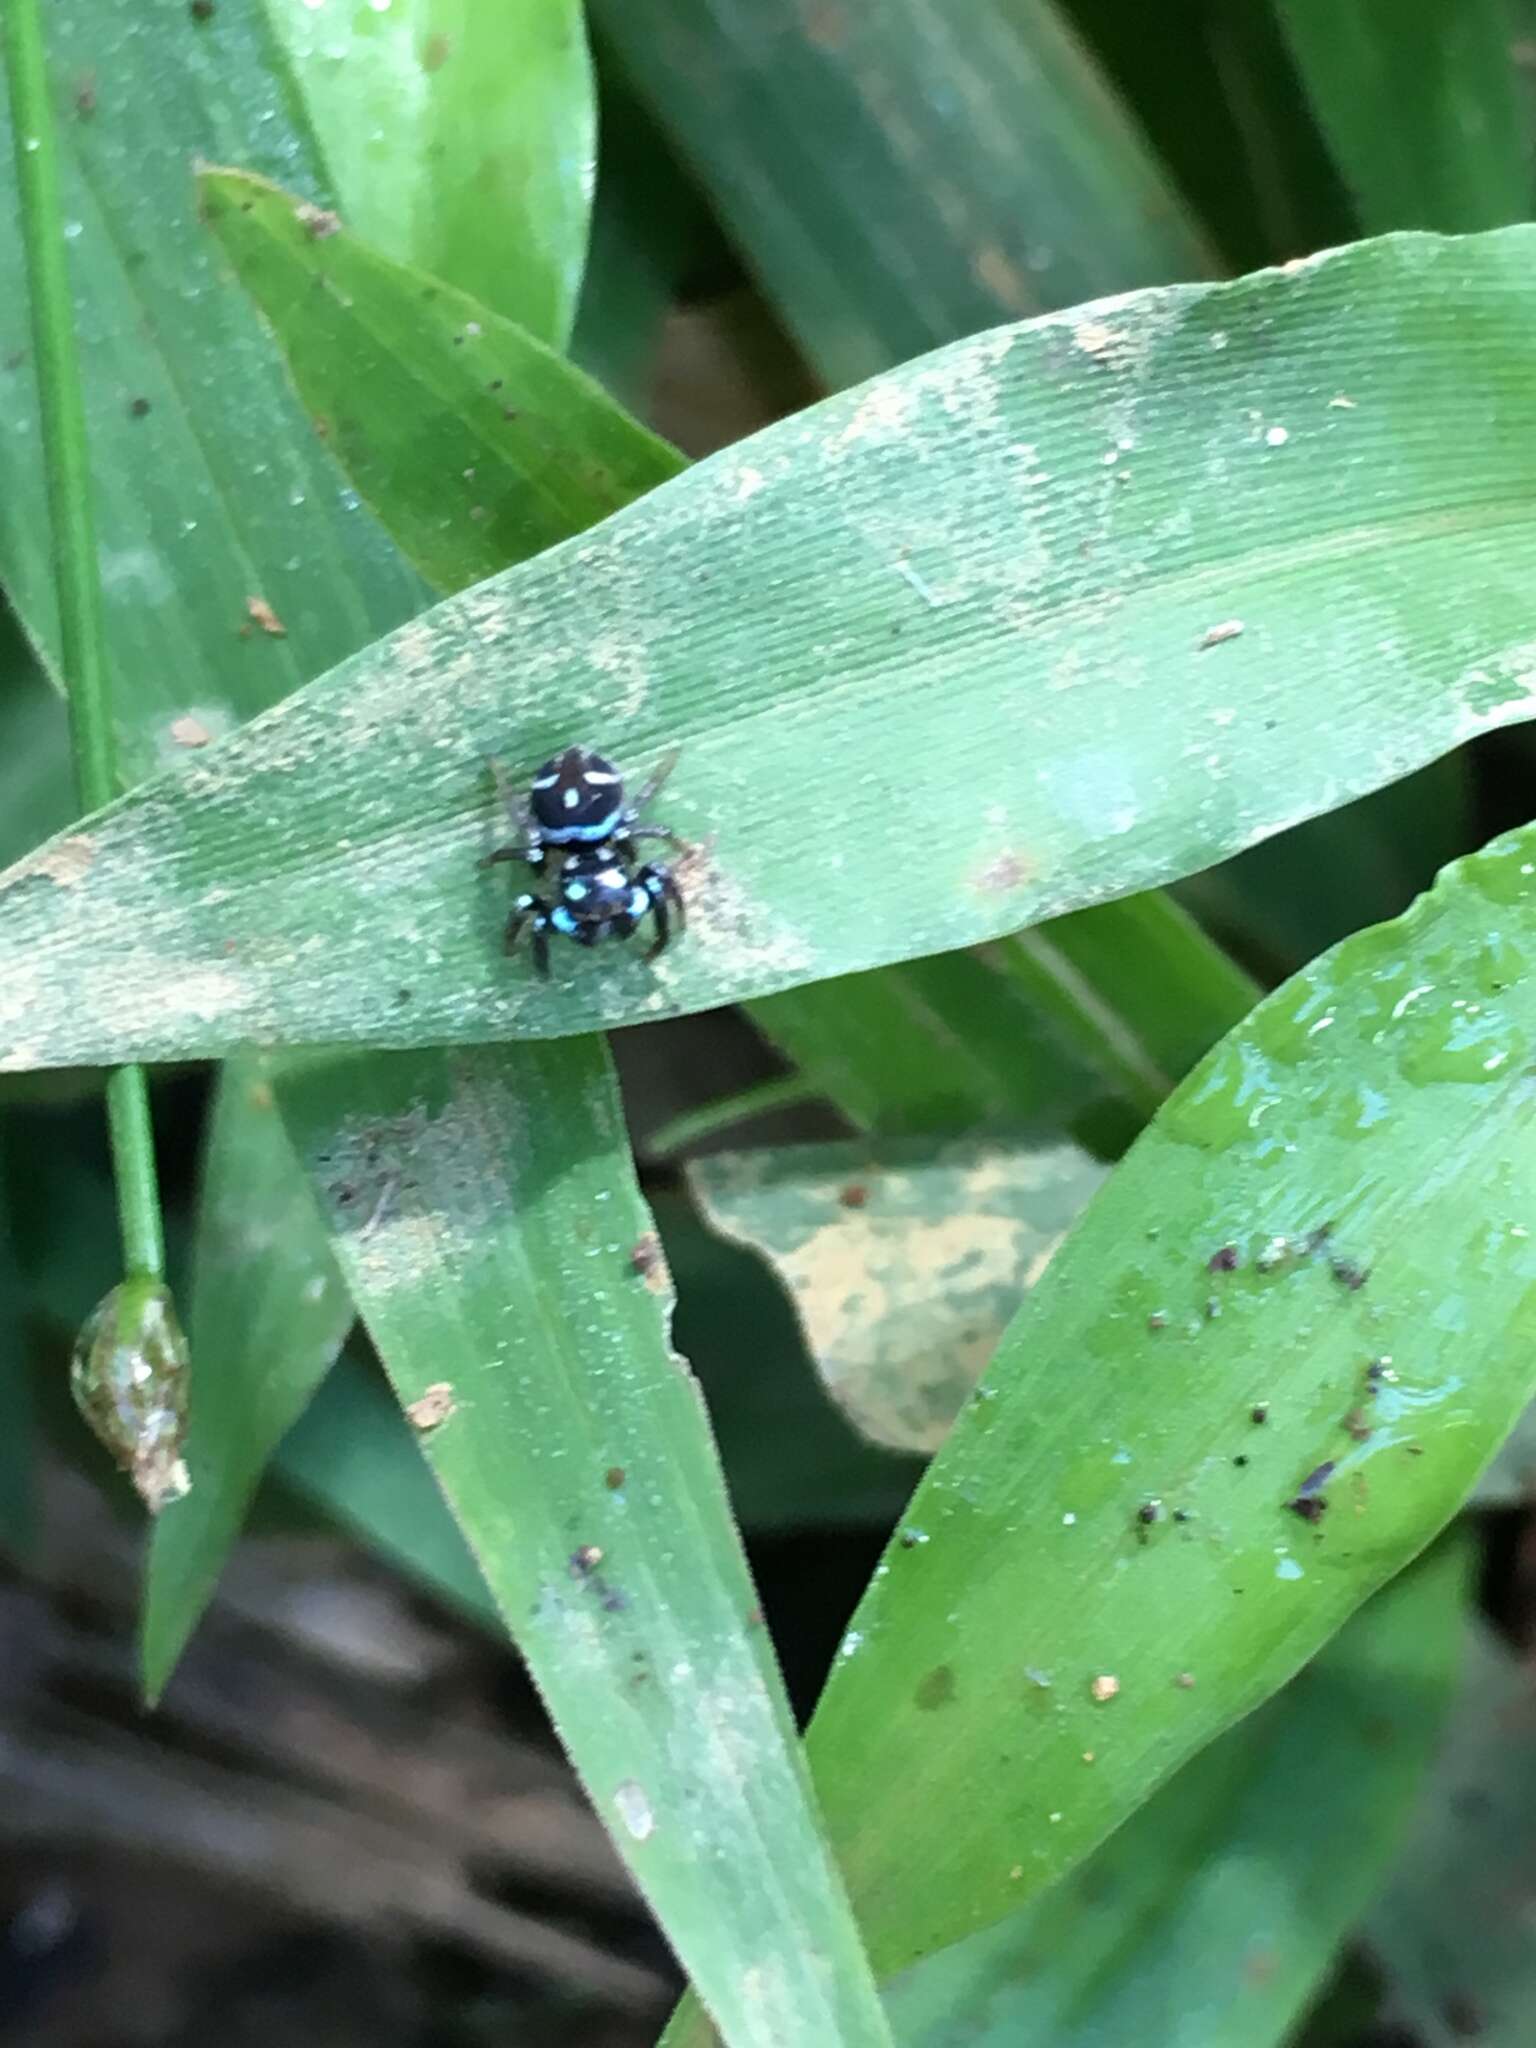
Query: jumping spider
[{"x": 576, "y": 801}]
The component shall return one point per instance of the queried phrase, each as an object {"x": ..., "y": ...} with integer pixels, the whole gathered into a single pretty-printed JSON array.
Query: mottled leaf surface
[
  {"x": 472, "y": 1201},
  {"x": 905, "y": 1261},
  {"x": 1048, "y": 672}
]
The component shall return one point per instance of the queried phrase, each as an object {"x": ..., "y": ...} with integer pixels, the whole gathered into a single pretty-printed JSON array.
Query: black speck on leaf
[{"x": 1223, "y": 1261}]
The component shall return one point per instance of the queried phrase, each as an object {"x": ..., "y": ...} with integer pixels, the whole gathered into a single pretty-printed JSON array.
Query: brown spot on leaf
[
  {"x": 613, "y": 1478},
  {"x": 318, "y": 222},
  {"x": 433, "y": 1408},
  {"x": 1008, "y": 871},
  {"x": 262, "y": 614},
  {"x": 649, "y": 1261},
  {"x": 435, "y": 52},
  {"x": 936, "y": 1688},
  {"x": 854, "y": 1195}
]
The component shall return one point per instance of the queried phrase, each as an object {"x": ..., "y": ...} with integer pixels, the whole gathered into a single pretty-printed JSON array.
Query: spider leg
[
  {"x": 666, "y": 901},
  {"x": 659, "y": 775},
  {"x": 536, "y": 908},
  {"x": 674, "y": 839}
]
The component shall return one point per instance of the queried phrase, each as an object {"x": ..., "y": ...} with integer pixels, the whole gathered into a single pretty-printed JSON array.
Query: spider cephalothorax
[{"x": 576, "y": 802}]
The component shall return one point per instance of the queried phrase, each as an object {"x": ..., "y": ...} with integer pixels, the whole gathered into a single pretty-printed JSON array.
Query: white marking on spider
[
  {"x": 545, "y": 781},
  {"x": 599, "y": 775},
  {"x": 571, "y": 797}
]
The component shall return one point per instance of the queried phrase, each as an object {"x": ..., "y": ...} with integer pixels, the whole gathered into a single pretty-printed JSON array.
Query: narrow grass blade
[
  {"x": 1422, "y": 106},
  {"x": 1216, "y": 387},
  {"x": 268, "y": 1315},
  {"x": 461, "y": 138},
  {"x": 484, "y": 1215},
  {"x": 475, "y": 443},
  {"x": 886, "y": 216}
]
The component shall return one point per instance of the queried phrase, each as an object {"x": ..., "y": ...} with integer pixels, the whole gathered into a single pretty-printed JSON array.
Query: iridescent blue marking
[
  {"x": 564, "y": 835},
  {"x": 562, "y": 920},
  {"x": 639, "y": 901}
]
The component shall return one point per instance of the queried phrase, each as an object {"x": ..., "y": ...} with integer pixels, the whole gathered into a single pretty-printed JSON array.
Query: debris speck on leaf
[
  {"x": 261, "y": 614},
  {"x": 1185, "y": 1681},
  {"x": 188, "y": 731},
  {"x": 1276, "y": 437},
  {"x": 317, "y": 221},
  {"x": 433, "y": 1407},
  {"x": 613, "y": 1478},
  {"x": 1104, "y": 1687},
  {"x": 1259, "y": 1412},
  {"x": 854, "y": 1196},
  {"x": 585, "y": 1560},
  {"x": 1225, "y": 629}
]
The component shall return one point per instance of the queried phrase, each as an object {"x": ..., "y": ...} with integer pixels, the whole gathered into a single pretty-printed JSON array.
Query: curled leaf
[{"x": 129, "y": 1379}]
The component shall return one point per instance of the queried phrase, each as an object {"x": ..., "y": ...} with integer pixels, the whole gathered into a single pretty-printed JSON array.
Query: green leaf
[
  {"x": 202, "y": 502},
  {"x": 1209, "y": 1919},
  {"x": 472, "y": 1200},
  {"x": 1358, "y": 1147},
  {"x": 1374, "y": 638},
  {"x": 898, "y": 176},
  {"x": 476, "y": 444},
  {"x": 268, "y": 1315},
  {"x": 1083, "y": 1023},
  {"x": 1451, "y": 1930},
  {"x": 353, "y": 1454},
  {"x": 906, "y": 1261},
  {"x": 461, "y": 139},
  {"x": 1422, "y": 107}
]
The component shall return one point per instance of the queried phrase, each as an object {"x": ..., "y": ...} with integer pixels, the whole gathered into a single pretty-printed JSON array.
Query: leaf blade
[
  {"x": 759, "y": 783},
  {"x": 460, "y": 138},
  {"x": 498, "y": 1178}
]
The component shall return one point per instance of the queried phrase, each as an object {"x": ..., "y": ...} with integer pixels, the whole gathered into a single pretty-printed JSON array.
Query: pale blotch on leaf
[{"x": 129, "y": 1379}]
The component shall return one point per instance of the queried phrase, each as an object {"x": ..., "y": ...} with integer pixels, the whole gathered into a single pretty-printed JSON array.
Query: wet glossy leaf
[
  {"x": 472, "y": 1201},
  {"x": 202, "y": 503},
  {"x": 1451, "y": 1930},
  {"x": 1209, "y": 1919},
  {"x": 476, "y": 444},
  {"x": 1301, "y": 1314},
  {"x": 920, "y": 472},
  {"x": 905, "y": 1260},
  {"x": 1422, "y": 107},
  {"x": 268, "y": 1314},
  {"x": 460, "y": 137},
  {"x": 995, "y": 173}
]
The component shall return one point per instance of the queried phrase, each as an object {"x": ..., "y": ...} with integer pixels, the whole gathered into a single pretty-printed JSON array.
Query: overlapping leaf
[{"x": 998, "y": 707}]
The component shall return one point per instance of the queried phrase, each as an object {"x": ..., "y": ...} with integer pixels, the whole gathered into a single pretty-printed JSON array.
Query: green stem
[
  {"x": 786, "y": 1091},
  {"x": 77, "y": 576}
]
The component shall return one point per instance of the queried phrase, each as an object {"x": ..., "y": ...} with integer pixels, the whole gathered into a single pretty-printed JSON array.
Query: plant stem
[
  {"x": 785, "y": 1091},
  {"x": 77, "y": 575}
]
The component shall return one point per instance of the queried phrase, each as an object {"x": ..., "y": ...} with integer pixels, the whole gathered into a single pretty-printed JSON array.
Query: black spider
[{"x": 577, "y": 801}]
